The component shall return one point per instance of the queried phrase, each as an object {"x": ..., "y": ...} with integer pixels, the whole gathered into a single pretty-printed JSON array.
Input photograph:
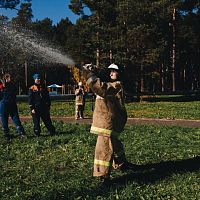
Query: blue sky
[{"x": 53, "y": 9}]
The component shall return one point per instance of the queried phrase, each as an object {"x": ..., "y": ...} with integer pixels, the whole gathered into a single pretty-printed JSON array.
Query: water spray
[{"x": 30, "y": 43}]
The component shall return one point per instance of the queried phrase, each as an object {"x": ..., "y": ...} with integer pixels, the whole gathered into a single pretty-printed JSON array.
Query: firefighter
[
  {"x": 8, "y": 106},
  {"x": 39, "y": 103},
  {"x": 109, "y": 119},
  {"x": 79, "y": 101}
]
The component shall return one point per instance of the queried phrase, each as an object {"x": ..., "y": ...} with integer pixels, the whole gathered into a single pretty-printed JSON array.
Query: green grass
[
  {"x": 58, "y": 108},
  {"x": 60, "y": 167},
  {"x": 161, "y": 109},
  {"x": 171, "y": 110}
]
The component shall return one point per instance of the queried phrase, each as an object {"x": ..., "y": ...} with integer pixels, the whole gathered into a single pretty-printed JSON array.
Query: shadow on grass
[
  {"x": 151, "y": 173},
  {"x": 146, "y": 174}
]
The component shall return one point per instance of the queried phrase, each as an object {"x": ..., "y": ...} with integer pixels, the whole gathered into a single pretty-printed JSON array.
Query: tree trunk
[
  {"x": 141, "y": 79},
  {"x": 173, "y": 52},
  {"x": 162, "y": 78}
]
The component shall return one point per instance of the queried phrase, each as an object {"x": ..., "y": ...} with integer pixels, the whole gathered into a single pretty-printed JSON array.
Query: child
[
  {"x": 8, "y": 106},
  {"x": 79, "y": 101}
]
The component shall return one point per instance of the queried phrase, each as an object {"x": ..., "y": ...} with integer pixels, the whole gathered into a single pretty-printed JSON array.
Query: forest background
[{"x": 156, "y": 43}]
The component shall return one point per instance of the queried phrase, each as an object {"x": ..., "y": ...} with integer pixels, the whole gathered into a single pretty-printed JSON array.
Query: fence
[{"x": 59, "y": 97}]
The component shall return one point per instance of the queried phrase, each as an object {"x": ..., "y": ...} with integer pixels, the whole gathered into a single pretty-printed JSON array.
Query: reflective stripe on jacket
[{"x": 109, "y": 115}]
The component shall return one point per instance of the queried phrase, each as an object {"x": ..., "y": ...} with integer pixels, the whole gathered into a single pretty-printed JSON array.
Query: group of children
[{"x": 39, "y": 103}]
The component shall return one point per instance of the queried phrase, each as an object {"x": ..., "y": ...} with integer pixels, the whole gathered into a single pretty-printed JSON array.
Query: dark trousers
[
  {"x": 44, "y": 114},
  {"x": 11, "y": 110},
  {"x": 79, "y": 111}
]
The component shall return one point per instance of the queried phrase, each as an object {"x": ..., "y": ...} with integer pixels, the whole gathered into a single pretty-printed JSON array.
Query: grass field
[
  {"x": 60, "y": 167},
  {"x": 171, "y": 110},
  {"x": 161, "y": 109}
]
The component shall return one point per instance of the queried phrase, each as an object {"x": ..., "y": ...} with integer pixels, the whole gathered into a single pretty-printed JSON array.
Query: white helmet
[
  {"x": 113, "y": 66},
  {"x": 80, "y": 83}
]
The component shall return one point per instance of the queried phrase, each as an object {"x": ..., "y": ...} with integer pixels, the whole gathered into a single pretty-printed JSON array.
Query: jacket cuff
[
  {"x": 31, "y": 107},
  {"x": 91, "y": 79}
]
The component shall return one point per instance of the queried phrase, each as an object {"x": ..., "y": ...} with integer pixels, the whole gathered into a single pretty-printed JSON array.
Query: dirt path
[{"x": 132, "y": 121}]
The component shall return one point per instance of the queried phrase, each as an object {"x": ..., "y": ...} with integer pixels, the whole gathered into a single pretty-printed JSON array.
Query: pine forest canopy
[
  {"x": 9, "y": 3},
  {"x": 156, "y": 42},
  {"x": 137, "y": 34}
]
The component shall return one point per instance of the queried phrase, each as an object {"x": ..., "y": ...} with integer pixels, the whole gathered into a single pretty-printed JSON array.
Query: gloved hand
[
  {"x": 90, "y": 68},
  {"x": 33, "y": 111}
]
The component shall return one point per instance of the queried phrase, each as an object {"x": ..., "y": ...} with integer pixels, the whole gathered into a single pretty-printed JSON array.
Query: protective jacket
[
  {"x": 79, "y": 97},
  {"x": 39, "y": 97},
  {"x": 109, "y": 115}
]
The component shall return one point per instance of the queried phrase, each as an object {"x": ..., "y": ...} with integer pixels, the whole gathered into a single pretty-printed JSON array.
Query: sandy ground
[{"x": 132, "y": 121}]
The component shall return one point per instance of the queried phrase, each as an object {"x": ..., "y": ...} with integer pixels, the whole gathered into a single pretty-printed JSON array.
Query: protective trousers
[
  {"x": 45, "y": 116},
  {"x": 109, "y": 152}
]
